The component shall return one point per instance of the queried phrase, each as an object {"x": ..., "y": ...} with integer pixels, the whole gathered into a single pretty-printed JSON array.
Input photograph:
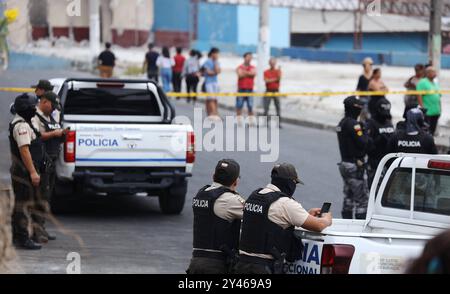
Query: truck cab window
[
  {"x": 111, "y": 101},
  {"x": 432, "y": 191}
]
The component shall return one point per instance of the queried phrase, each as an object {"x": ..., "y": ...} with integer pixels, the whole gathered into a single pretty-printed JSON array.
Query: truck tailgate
[{"x": 130, "y": 145}]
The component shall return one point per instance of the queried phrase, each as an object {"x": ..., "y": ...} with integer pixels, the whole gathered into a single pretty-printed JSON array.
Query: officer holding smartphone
[{"x": 270, "y": 217}]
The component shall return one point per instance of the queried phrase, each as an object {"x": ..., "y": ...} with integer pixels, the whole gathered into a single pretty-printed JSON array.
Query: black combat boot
[{"x": 27, "y": 244}]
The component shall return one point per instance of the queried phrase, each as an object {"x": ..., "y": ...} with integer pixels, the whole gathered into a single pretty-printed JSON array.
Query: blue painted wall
[
  {"x": 247, "y": 23},
  {"x": 21, "y": 61},
  {"x": 405, "y": 42},
  {"x": 217, "y": 23},
  {"x": 172, "y": 15}
]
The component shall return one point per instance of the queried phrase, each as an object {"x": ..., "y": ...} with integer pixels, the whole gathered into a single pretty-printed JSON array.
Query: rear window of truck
[
  {"x": 111, "y": 101},
  {"x": 432, "y": 191}
]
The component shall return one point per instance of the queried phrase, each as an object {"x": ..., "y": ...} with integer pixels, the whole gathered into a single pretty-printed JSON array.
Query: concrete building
[
  {"x": 125, "y": 23},
  {"x": 334, "y": 30}
]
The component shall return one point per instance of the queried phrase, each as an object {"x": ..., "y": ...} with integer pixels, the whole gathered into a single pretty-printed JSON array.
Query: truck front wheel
[{"x": 172, "y": 200}]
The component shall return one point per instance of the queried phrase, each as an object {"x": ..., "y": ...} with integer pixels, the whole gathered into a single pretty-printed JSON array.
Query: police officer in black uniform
[
  {"x": 53, "y": 135},
  {"x": 380, "y": 129},
  {"x": 353, "y": 144},
  {"x": 217, "y": 222},
  {"x": 270, "y": 218},
  {"x": 27, "y": 155},
  {"x": 412, "y": 138}
]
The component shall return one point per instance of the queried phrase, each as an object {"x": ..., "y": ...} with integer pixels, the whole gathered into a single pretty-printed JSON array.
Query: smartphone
[{"x": 325, "y": 208}]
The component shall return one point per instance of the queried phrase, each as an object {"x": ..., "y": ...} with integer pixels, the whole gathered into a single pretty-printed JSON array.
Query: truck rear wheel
[{"x": 172, "y": 200}]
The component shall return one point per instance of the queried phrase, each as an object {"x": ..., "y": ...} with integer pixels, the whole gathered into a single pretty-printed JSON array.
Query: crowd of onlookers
[
  {"x": 424, "y": 79},
  {"x": 171, "y": 71}
]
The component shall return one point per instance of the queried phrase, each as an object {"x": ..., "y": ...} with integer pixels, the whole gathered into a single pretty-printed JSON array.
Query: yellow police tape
[{"x": 281, "y": 94}]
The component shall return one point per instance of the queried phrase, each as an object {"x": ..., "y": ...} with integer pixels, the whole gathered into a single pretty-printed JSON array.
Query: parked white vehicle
[
  {"x": 122, "y": 141},
  {"x": 410, "y": 206}
]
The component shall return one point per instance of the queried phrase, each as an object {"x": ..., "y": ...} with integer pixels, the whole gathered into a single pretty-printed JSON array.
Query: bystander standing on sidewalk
[
  {"x": 431, "y": 102},
  {"x": 177, "y": 70},
  {"x": 376, "y": 84},
  {"x": 211, "y": 70},
  {"x": 411, "y": 85},
  {"x": 272, "y": 77},
  {"x": 246, "y": 80},
  {"x": 363, "y": 86},
  {"x": 150, "y": 66},
  {"x": 165, "y": 64},
  {"x": 106, "y": 62},
  {"x": 191, "y": 73}
]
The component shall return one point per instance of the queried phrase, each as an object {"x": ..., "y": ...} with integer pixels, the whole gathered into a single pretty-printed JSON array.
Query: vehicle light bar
[{"x": 439, "y": 164}]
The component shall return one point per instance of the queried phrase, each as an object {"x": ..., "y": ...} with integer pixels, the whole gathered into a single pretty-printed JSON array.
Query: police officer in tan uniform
[
  {"x": 217, "y": 222},
  {"x": 269, "y": 220},
  {"x": 52, "y": 135},
  {"x": 27, "y": 155}
]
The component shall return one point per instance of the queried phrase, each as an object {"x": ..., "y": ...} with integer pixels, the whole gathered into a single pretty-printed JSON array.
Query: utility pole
[
  {"x": 94, "y": 27},
  {"x": 435, "y": 36},
  {"x": 264, "y": 42}
]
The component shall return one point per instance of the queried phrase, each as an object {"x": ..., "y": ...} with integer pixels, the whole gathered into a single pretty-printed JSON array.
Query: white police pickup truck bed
[
  {"x": 122, "y": 141},
  {"x": 410, "y": 206}
]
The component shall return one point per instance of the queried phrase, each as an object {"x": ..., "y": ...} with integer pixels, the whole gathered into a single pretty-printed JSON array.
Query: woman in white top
[{"x": 165, "y": 63}]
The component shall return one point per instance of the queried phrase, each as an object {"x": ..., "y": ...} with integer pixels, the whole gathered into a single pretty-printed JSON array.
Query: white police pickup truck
[
  {"x": 122, "y": 140},
  {"x": 407, "y": 207}
]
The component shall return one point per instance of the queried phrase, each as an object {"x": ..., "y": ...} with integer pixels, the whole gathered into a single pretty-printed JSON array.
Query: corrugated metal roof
[{"x": 314, "y": 21}]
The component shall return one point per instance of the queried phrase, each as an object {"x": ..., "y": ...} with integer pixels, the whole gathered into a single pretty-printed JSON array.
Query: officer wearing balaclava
[
  {"x": 270, "y": 217},
  {"x": 27, "y": 155},
  {"x": 379, "y": 129},
  {"x": 412, "y": 138},
  {"x": 353, "y": 144}
]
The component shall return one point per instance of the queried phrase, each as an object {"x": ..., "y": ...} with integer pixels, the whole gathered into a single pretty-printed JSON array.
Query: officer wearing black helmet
[
  {"x": 412, "y": 138},
  {"x": 217, "y": 222},
  {"x": 353, "y": 144},
  {"x": 52, "y": 136},
  {"x": 270, "y": 217},
  {"x": 27, "y": 155},
  {"x": 379, "y": 129}
]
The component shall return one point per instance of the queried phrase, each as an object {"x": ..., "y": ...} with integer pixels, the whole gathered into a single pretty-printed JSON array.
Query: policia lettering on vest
[
  {"x": 217, "y": 222},
  {"x": 269, "y": 220},
  {"x": 28, "y": 162},
  {"x": 53, "y": 136}
]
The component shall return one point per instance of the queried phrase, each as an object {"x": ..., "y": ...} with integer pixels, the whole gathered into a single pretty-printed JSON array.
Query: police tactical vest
[
  {"x": 260, "y": 235},
  {"x": 350, "y": 152},
  {"x": 52, "y": 146},
  {"x": 210, "y": 231},
  {"x": 410, "y": 143},
  {"x": 36, "y": 147}
]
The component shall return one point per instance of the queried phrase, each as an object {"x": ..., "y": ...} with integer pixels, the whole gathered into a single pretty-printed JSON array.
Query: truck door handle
[{"x": 132, "y": 137}]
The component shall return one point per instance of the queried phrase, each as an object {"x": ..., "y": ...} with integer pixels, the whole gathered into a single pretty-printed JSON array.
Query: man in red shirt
[
  {"x": 177, "y": 71},
  {"x": 246, "y": 81},
  {"x": 272, "y": 78}
]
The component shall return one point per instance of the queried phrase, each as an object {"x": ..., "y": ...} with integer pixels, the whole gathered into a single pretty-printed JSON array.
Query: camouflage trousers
[{"x": 356, "y": 193}]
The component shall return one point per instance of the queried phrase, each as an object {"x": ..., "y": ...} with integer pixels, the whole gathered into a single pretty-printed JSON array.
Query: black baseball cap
[
  {"x": 52, "y": 97},
  {"x": 44, "y": 85},
  {"x": 227, "y": 171},
  {"x": 286, "y": 171}
]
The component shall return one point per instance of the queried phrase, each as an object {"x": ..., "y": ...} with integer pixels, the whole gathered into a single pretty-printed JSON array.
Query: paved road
[{"x": 128, "y": 234}]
